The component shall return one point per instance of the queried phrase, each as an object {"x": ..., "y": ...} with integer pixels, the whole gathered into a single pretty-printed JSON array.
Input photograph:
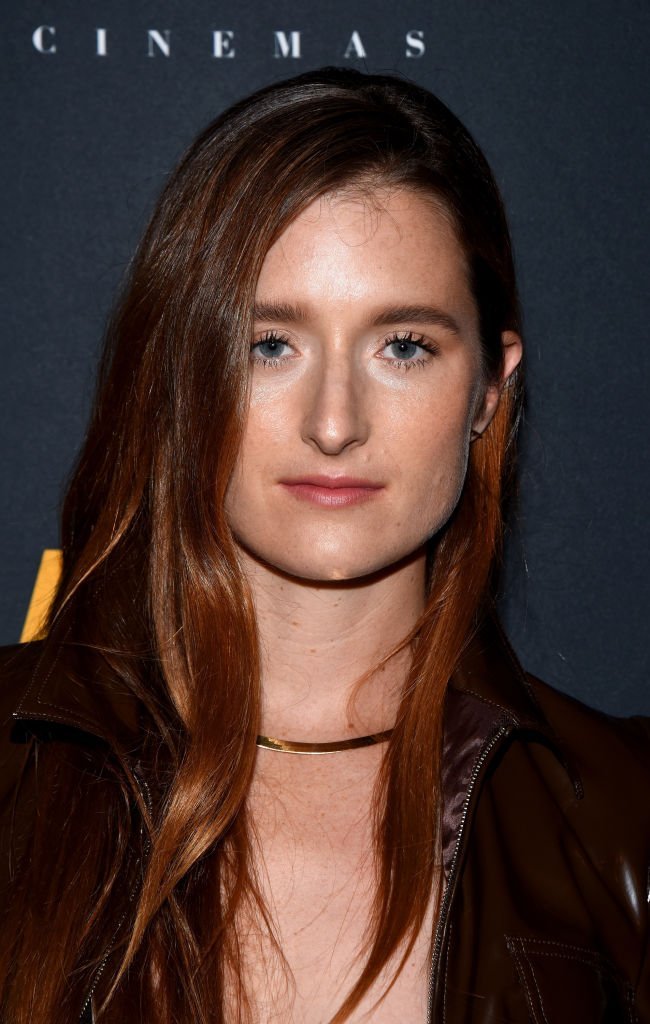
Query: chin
[
  {"x": 323, "y": 562},
  {"x": 319, "y": 567},
  {"x": 327, "y": 571}
]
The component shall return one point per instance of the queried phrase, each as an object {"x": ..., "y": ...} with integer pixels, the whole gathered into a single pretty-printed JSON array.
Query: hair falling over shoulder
[{"x": 152, "y": 594}]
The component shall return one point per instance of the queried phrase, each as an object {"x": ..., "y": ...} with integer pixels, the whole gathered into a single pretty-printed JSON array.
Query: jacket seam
[
  {"x": 486, "y": 700},
  {"x": 573, "y": 954},
  {"x": 534, "y": 977},
  {"x": 516, "y": 950},
  {"x": 567, "y": 951},
  {"x": 66, "y": 717}
]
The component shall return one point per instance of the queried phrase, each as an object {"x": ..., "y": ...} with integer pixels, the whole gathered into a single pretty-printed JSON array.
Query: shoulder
[
  {"x": 609, "y": 755},
  {"x": 581, "y": 726},
  {"x": 17, "y": 792},
  {"x": 17, "y": 666}
]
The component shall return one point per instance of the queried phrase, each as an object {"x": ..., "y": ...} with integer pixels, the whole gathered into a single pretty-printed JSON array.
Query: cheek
[
  {"x": 264, "y": 440},
  {"x": 443, "y": 476},
  {"x": 434, "y": 463},
  {"x": 267, "y": 435}
]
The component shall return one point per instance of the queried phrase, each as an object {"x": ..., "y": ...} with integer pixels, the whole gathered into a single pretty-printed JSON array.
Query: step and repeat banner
[{"x": 99, "y": 100}]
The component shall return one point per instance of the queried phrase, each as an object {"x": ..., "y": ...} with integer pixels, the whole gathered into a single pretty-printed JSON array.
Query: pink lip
[{"x": 332, "y": 491}]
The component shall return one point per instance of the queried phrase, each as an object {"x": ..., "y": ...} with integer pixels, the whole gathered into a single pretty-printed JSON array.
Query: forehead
[{"x": 385, "y": 243}]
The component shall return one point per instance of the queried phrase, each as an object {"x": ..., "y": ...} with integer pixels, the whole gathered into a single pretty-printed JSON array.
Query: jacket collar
[
  {"x": 93, "y": 702},
  {"x": 490, "y": 671},
  {"x": 89, "y": 701}
]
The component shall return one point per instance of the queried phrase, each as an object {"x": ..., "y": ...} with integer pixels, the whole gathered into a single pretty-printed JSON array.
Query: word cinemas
[{"x": 222, "y": 43}]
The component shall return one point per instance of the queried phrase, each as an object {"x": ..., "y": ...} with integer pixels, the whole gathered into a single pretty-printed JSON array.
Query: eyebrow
[
  {"x": 416, "y": 314},
  {"x": 294, "y": 313},
  {"x": 284, "y": 311}
]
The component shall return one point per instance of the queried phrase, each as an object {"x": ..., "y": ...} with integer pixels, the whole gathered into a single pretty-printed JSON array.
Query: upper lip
[{"x": 320, "y": 480}]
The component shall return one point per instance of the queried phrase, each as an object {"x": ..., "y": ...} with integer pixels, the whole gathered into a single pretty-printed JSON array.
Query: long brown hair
[{"x": 152, "y": 594}]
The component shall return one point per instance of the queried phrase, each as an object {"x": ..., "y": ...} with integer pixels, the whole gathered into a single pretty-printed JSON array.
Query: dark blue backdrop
[{"x": 554, "y": 92}]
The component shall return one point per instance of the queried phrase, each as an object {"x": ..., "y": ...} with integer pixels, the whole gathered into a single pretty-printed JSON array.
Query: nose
[{"x": 336, "y": 404}]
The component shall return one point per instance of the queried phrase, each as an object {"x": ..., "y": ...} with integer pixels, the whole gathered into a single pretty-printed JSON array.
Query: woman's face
[{"x": 365, "y": 363}]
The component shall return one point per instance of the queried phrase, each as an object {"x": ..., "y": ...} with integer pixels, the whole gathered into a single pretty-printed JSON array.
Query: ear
[{"x": 512, "y": 353}]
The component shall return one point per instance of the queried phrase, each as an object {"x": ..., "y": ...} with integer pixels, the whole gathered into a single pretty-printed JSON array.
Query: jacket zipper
[
  {"x": 445, "y": 905},
  {"x": 87, "y": 1015}
]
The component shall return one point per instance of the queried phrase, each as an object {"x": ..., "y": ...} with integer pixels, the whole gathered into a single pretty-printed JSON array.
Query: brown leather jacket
[{"x": 546, "y": 836}]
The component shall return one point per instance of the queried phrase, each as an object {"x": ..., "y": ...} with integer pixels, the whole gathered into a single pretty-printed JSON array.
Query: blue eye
[
  {"x": 402, "y": 345},
  {"x": 408, "y": 346},
  {"x": 273, "y": 343}
]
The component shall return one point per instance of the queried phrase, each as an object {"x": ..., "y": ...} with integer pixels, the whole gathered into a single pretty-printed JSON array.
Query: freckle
[
  {"x": 312, "y": 650},
  {"x": 293, "y": 623}
]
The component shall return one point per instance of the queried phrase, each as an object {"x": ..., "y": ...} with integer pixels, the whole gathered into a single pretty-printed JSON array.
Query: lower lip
[{"x": 333, "y": 497}]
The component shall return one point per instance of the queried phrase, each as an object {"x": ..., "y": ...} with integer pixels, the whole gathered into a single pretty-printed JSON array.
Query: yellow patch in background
[{"x": 46, "y": 582}]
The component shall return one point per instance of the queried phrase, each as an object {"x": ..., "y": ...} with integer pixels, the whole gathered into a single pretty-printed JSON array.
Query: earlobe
[
  {"x": 486, "y": 411},
  {"x": 512, "y": 353}
]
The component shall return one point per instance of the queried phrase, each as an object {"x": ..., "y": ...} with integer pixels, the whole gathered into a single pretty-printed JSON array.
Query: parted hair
[{"x": 152, "y": 593}]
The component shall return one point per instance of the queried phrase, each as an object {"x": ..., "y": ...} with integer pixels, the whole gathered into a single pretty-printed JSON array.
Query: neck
[{"x": 319, "y": 637}]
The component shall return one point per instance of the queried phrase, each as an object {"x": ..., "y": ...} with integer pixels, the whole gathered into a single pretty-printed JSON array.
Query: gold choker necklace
[{"x": 292, "y": 747}]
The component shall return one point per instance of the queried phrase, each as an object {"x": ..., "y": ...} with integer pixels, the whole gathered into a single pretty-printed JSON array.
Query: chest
[{"x": 316, "y": 871}]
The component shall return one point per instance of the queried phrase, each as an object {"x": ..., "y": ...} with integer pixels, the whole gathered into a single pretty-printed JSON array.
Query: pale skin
[{"x": 345, "y": 298}]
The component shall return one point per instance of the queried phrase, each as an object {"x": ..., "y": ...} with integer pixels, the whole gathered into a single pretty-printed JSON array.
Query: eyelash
[{"x": 406, "y": 337}]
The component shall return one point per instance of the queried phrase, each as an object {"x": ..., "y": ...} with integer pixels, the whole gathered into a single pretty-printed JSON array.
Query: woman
[{"x": 279, "y": 542}]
